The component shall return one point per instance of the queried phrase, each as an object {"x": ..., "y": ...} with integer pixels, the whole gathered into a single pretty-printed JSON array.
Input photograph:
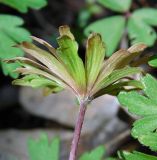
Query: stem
[{"x": 77, "y": 132}]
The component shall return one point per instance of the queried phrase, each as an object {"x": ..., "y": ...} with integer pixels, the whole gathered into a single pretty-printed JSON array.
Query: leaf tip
[
  {"x": 139, "y": 47},
  {"x": 65, "y": 30}
]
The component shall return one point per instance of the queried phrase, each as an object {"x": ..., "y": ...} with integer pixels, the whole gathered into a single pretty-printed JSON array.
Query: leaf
[
  {"x": 47, "y": 45},
  {"x": 31, "y": 67},
  {"x": 140, "y": 26},
  {"x": 9, "y": 36},
  {"x": 146, "y": 107},
  {"x": 49, "y": 61},
  {"x": 136, "y": 155},
  {"x": 153, "y": 61},
  {"x": 149, "y": 140},
  {"x": 96, "y": 154},
  {"x": 42, "y": 149},
  {"x": 68, "y": 52},
  {"x": 106, "y": 27},
  {"x": 144, "y": 126},
  {"x": 36, "y": 81},
  {"x": 23, "y": 5},
  {"x": 117, "y": 75},
  {"x": 116, "y": 5},
  {"x": 115, "y": 88},
  {"x": 95, "y": 53},
  {"x": 120, "y": 59},
  {"x": 137, "y": 103}
]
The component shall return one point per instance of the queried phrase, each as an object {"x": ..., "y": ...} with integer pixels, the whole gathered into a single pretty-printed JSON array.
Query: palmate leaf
[
  {"x": 116, "y": 5},
  {"x": 64, "y": 67},
  {"x": 42, "y": 149},
  {"x": 140, "y": 26},
  {"x": 145, "y": 106},
  {"x": 23, "y": 5},
  {"x": 135, "y": 155},
  {"x": 106, "y": 27},
  {"x": 9, "y": 36}
]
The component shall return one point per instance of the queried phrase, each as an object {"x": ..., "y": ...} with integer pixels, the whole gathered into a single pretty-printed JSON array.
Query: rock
[
  {"x": 62, "y": 108},
  {"x": 100, "y": 124},
  {"x": 13, "y": 142}
]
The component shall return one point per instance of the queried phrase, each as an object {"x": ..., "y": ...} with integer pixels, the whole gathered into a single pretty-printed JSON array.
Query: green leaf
[
  {"x": 150, "y": 87},
  {"x": 96, "y": 154},
  {"x": 117, "y": 75},
  {"x": 136, "y": 155},
  {"x": 137, "y": 103},
  {"x": 9, "y": 36},
  {"x": 43, "y": 150},
  {"x": 149, "y": 140},
  {"x": 153, "y": 61},
  {"x": 106, "y": 27},
  {"x": 115, "y": 88},
  {"x": 145, "y": 106},
  {"x": 35, "y": 81},
  {"x": 95, "y": 53},
  {"x": 116, "y": 5},
  {"x": 23, "y": 5},
  {"x": 68, "y": 52},
  {"x": 140, "y": 26},
  {"x": 120, "y": 59},
  {"x": 144, "y": 126},
  {"x": 31, "y": 67}
]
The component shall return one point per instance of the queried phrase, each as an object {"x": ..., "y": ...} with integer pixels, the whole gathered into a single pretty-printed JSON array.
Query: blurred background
[{"x": 25, "y": 113}]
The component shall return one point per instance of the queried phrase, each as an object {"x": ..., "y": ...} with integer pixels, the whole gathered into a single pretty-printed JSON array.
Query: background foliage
[{"x": 15, "y": 33}]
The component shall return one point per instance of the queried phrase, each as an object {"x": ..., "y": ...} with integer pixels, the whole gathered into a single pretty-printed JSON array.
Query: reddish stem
[{"x": 77, "y": 132}]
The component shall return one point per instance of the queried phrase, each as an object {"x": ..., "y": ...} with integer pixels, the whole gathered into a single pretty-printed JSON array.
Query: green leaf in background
[
  {"x": 23, "y": 5},
  {"x": 144, "y": 129},
  {"x": 85, "y": 14},
  {"x": 11, "y": 33},
  {"x": 96, "y": 154},
  {"x": 116, "y": 5},
  {"x": 140, "y": 26},
  {"x": 153, "y": 61},
  {"x": 111, "y": 30},
  {"x": 43, "y": 150},
  {"x": 136, "y": 156}
]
